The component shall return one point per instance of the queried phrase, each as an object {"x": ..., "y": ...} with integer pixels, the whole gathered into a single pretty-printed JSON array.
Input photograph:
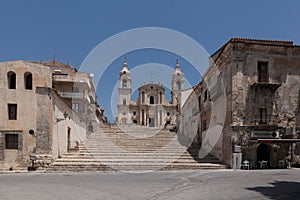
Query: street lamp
[{"x": 61, "y": 119}]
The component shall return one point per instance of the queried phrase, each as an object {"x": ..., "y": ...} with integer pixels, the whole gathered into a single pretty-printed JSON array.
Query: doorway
[
  {"x": 151, "y": 122},
  {"x": 263, "y": 153},
  {"x": 69, "y": 139}
]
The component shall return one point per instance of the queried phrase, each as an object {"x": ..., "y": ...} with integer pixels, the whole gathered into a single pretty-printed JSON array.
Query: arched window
[
  {"x": 178, "y": 85},
  {"x": 160, "y": 97},
  {"x": 11, "y": 80},
  {"x": 124, "y": 83},
  {"x": 124, "y": 101},
  {"x": 151, "y": 100},
  {"x": 143, "y": 97},
  {"x": 28, "y": 81}
]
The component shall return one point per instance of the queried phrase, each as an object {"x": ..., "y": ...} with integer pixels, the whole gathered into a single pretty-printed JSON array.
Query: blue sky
[{"x": 69, "y": 30}]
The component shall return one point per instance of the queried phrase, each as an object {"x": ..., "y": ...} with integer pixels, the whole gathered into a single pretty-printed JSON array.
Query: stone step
[
  {"x": 100, "y": 159},
  {"x": 101, "y": 167},
  {"x": 132, "y": 148},
  {"x": 99, "y": 153},
  {"x": 126, "y": 161},
  {"x": 112, "y": 164}
]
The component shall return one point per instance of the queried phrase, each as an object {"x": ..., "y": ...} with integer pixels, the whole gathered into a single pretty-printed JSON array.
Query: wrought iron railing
[{"x": 264, "y": 120}]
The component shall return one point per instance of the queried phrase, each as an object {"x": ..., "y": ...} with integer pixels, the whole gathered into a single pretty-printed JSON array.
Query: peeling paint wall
[{"x": 27, "y": 111}]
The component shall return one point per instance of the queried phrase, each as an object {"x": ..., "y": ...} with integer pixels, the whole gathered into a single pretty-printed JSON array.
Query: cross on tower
[{"x": 151, "y": 76}]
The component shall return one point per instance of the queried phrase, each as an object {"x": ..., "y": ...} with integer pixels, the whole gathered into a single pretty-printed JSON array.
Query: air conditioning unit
[{"x": 289, "y": 130}]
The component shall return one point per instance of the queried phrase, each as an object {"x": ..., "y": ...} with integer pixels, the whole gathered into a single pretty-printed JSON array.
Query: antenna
[
  {"x": 151, "y": 76},
  {"x": 54, "y": 57},
  {"x": 69, "y": 61}
]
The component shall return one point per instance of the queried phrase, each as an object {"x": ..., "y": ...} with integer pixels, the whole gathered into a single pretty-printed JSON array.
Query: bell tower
[
  {"x": 177, "y": 84},
  {"x": 124, "y": 95}
]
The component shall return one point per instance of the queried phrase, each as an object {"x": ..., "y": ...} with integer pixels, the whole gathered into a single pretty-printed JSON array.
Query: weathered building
[
  {"x": 38, "y": 119},
  {"x": 260, "y": 83},
  {"x": 151, "y": 108},
  {"x": 78, "y": 89}
]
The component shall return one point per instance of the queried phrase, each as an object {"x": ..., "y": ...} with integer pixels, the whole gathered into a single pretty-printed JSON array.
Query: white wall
[{"x": 60, "y": 128}]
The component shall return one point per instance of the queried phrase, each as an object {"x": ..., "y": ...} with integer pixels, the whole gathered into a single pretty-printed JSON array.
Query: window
[
  {"x": 69, "y": 139},
  {"x": 75, "y": 89},
  {"x": 75, "y": 106},
  {"x": 160, "y": 97},
  {"x": 11, "y": 80},
  {"x": 151, "y": 100},
  {"x": 262, "y": 68},
  {"x": 11, "y": 141},
  {"x": 205, "y": 95},
  {"x": 124, "y": 83},
  {"x": 143, "y": 97},
  {"x": 262, "y": 115},
  {"x": 160, "y": 117},
  {"x": 124, "y": 101},
  {"x": 204, "y": 127},
  {"x": 199, "y": 103},
  {"x": 12, "y": 111},
  {"x": 178, "y": 85},
  {"x": 28, "y": 81},
  {"x": 143, "y": 117},
  {"x": 262, "y": 100}
]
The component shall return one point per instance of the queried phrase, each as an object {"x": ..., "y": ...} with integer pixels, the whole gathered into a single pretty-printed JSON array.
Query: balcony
[
  {"x": 75, "y": 79},
  {"x": 60, "y": 77},
  {"x": 265, "y": 120},
  {"x": 268, "y": 85},
  {"x": 73, "y": 95}
]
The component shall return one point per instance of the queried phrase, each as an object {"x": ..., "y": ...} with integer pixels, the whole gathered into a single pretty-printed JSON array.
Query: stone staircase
[{"x": 133, "y": 148}]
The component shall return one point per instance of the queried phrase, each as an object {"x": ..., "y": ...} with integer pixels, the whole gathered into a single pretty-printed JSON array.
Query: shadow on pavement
[{"x": 280, "y": 190}]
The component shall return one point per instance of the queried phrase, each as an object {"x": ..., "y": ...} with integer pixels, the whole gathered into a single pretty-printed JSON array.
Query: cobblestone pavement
[{"x": 206, "y": 184}]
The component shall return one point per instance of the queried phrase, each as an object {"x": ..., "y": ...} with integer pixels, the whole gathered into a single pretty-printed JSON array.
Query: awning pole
[{"x": 292, "y": 152}]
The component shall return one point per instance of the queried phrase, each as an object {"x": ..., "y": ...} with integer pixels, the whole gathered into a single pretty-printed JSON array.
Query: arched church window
[
  {"x": 160, "y": 97},
  {"x": 28, "y": 81},
  {"x": 178, "y": 85},
  {"x": 143, "y": 97},
  {"x": 11, "y": 80},
  {"x": 124, "y": 101},
  {"x": 124, "y": 83},
  {"x": 151, "y": 100}
]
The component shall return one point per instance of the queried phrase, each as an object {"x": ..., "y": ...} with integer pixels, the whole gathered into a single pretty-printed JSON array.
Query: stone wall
[
  {"x": 27, "y": 110},
  {"x": 44, "y": 121}
]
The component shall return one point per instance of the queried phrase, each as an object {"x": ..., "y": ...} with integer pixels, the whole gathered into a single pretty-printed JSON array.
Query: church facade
[{"x": 151, "y": 108}]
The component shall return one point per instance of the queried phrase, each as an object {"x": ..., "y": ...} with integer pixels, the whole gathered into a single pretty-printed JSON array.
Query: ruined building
[{"x": 254, "y": 87}]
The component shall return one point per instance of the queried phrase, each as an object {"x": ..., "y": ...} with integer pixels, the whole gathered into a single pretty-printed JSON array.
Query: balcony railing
[
  {"x": 74, "y": 95},
  {"x": 264, "y": 120}
]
